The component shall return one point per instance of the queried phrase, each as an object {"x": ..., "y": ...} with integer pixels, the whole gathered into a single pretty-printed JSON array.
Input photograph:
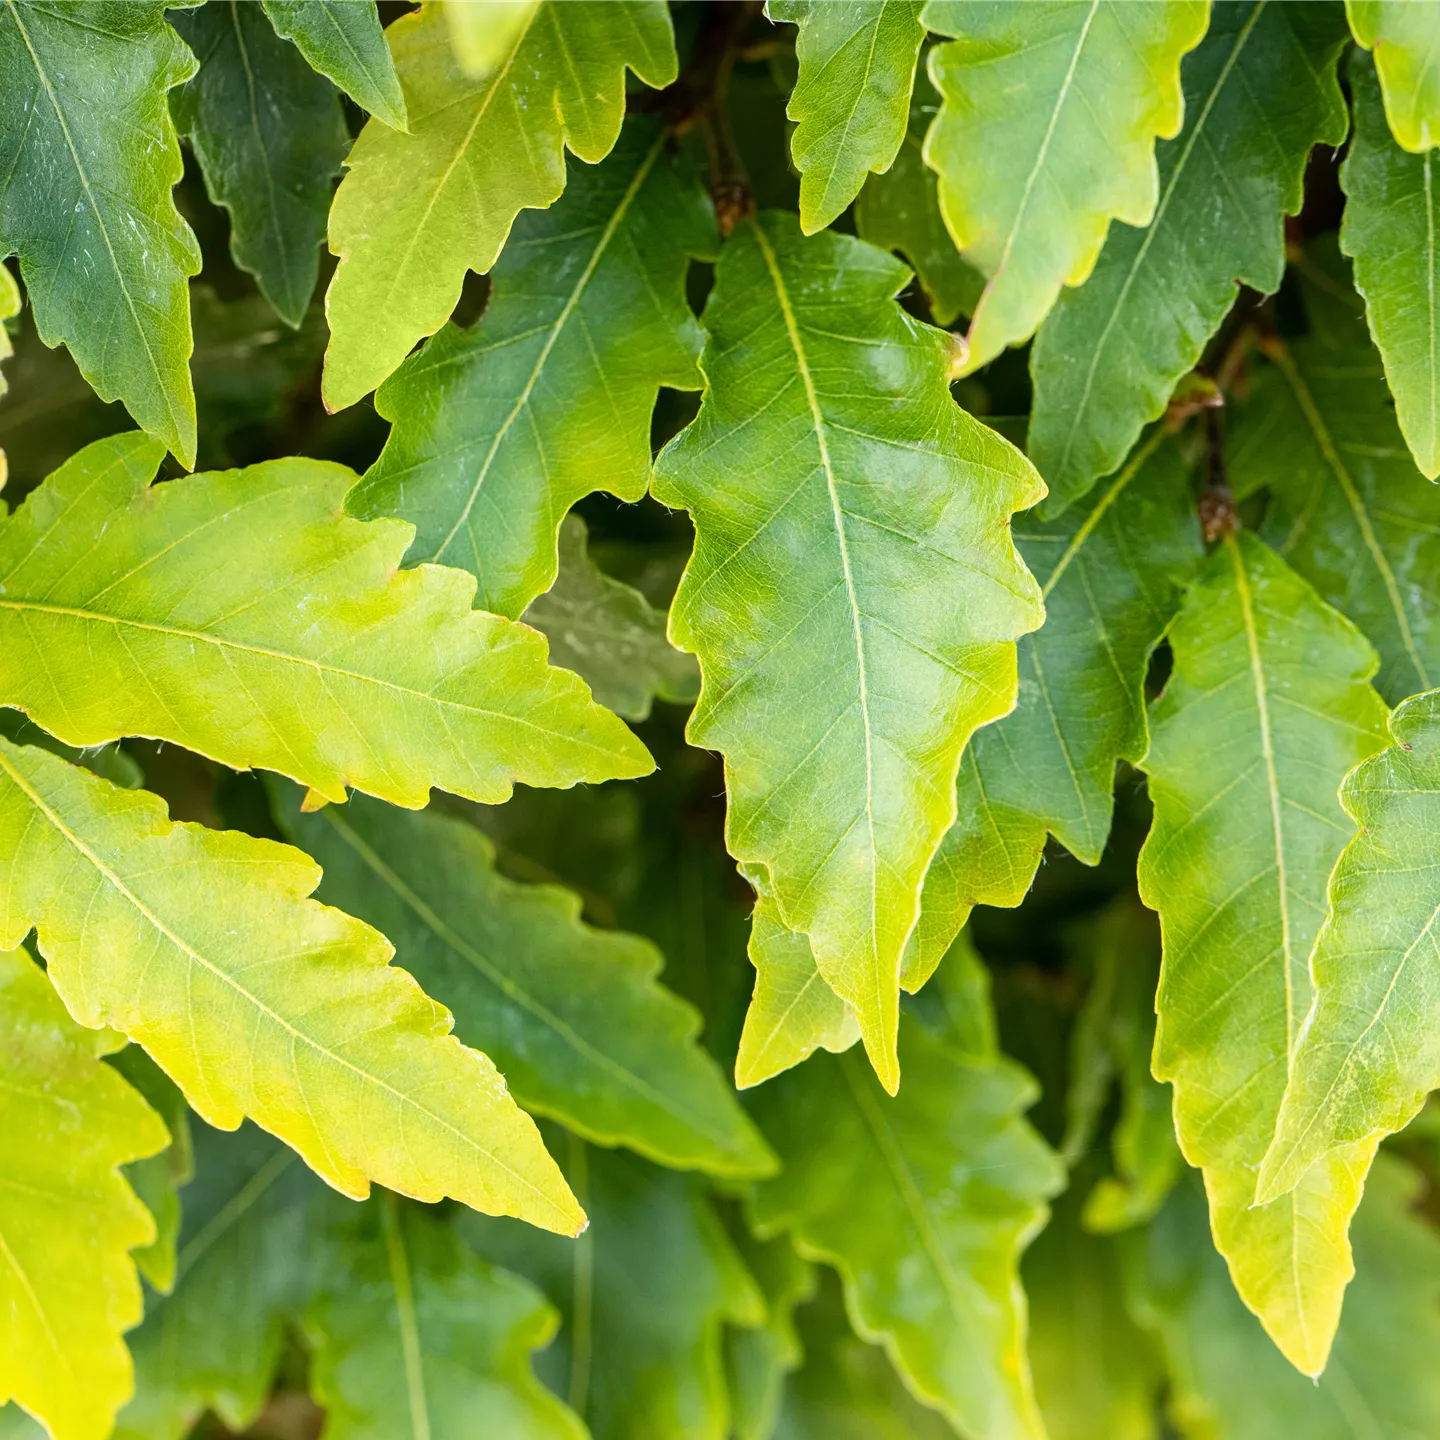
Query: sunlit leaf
[
  {"x": 1402, "y": 36},
  {"x": 343, "y": 39}
]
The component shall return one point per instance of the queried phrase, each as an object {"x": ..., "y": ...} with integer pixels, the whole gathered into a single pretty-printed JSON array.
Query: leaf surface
[
  {"x": 413, "y": 1333},
  {"x": 68, "y": 1287},
  {"x": 852, "y": 98},
  {"x": 1389, "y": 231},
  {"x": 270, "y": 138},
  {"x": 1348, "y": 509},
  {"x": 1260, "y": 92},
  {"x": 759, "y": 1360},
  {"x": 243, "y": 615},
  {"x": 854, "y": 595},
  {"x": 574, "y": 1017},
  {"x": 88, "y": 155},
  {"x": 417, "y": 210},
  {"x": 1047, "y": 133},
  {"x": 923, "y": 1203},
  {"x": 343, "y": 39},
  {"x": 1403, "y": 39},
  {"x": 501, "y": 428},
  {"x": 645, "y": 1294},
  {"x": 202, "y": 946},
  {"x": 1266, "y": 710}
]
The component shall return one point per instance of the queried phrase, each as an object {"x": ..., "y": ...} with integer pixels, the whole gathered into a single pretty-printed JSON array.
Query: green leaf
[
  {"x": 201, "y": 946},
  {"x": 1388, "y": 230},
  {"x": 1111, "y": 572},
  {"x": 1403, "y": 39},
  {"x": 607, "y": 632},
  {"x": 196, "y": 612},
  {"x": 574, "y": 1017},
  {"x": 270, "y": 138},
  {"x": 900, "y": 210},
  {"x": 343, "y": 39},
  {"x": 89, "y": 154},
  {"x": 1260, "y": 92},
  {"x": 1227, "y": 1383},
  {"x": 1368, "y": 1055},
  {"x": 483, "y": 36},
  {"x": 68, "y": 1288},
  {"x": 417, "y": 210},
  {"x": 759, "y": 1360},
  {"x": 923, "y": 1203},
  {"x": 413, "y": 1333},
  {"x": 852, "y": 99},
  {"x": 500, "y": 428},
  {"x": 851, "y": 634},
  {"x": 248, "y": 1262},
  {"x": 1348, "y": 509},
  {"x": 1266, "y": 710},
  {"x": 1047, "y": 133},
  {"x": 645, "y": 1294}
]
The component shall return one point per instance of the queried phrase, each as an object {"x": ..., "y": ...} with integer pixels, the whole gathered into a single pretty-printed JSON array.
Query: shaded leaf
[
  {"x": 88, "y": 153},
  {"x": 900, "y": 210},
  {"x": 270, "y": 137},
  {"x": 413, "y": 1333},
  {"x": 343, "y": 39},
  {"x": 854, "y": 595},
  {"x": 852, "y": 98},
  {"x": 1266, "y": 710},
  {"x": 201, "y": 946},
  {"x": 1046, "y": 134},
  {"x": 645, "y": 1294},
  {"x": 574, "y": 1017},
  {"x": 1403, "y": 39},
  {"x": 758, "y": 1360},
  {"x": 501, "y": 428},
  {"x": 1260, "y": 92},
  {"x": 243, "y": 615},
  {"x": 68, "y": 1287},
  {"x": 1388, "y": 230},
  {"x": 924, "y": 1204},
  {"x": 417, "y": 210},
  {"x": 1348, "y": 509}
]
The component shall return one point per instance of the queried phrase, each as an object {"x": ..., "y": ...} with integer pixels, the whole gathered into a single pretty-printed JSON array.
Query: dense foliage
[{"x": 1029, "y": 789}]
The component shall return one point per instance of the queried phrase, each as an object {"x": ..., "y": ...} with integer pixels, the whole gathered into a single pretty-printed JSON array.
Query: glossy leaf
[
  {"x": 1367, "y": 1056},
  {"x": 68, "y": 1288},
  {"x": 645, "y": 1294},
  {"x": 609, "y": 634},
  {"x": 1403, "y": 39},
  {"x": 1111, "y": 573},
  {"x": 88, "y": 156},
  {"x": 413, "y": 1333},
  {"x": 201, "y": 945},
  {"x": 924, "y": 1204},
  {"x": 417, "y": 210},
  {"x": 854, "y": 595},
  {"x": 243, "y": 615},
  {"x": 248, "y": 1262},
  {"x": 1348, "y": 509},
  {"x": 270, "y": 137},
  {"x": 1266, "y": 710},
  {"x": 343, "y": 39},
  {"x": 1047, "y": 133},
  {"x": 1260, "y": 92},
  {"x": 900, "y": 210},
  {"x": 1389, "y": 232},
  {"x": 574, "y": 1017},
  {"x": 1229, "y": 1384},
  {"x": 852, "y": 98},
  {"x": 501, "y": 428}
]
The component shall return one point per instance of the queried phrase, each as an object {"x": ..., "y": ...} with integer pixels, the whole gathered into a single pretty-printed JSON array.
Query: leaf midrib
[{"x": 398, "y": 1263}]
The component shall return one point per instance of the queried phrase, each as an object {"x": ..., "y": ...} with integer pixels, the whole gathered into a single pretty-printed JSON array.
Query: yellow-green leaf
[
  {"x": 1403, "y": 36},
  {"x": 1267, "y": 709},
  {"x": 202, "y": 946},
  {"x": 68, "y": 1289},
  {"x": 417, "y": 210},
  {"x": 854, "y": 595},
  {"x": 242, "y": 614}
]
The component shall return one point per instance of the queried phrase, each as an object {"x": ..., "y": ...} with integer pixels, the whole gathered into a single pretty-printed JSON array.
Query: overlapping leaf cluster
[{"x": 1035, "y": 711}]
